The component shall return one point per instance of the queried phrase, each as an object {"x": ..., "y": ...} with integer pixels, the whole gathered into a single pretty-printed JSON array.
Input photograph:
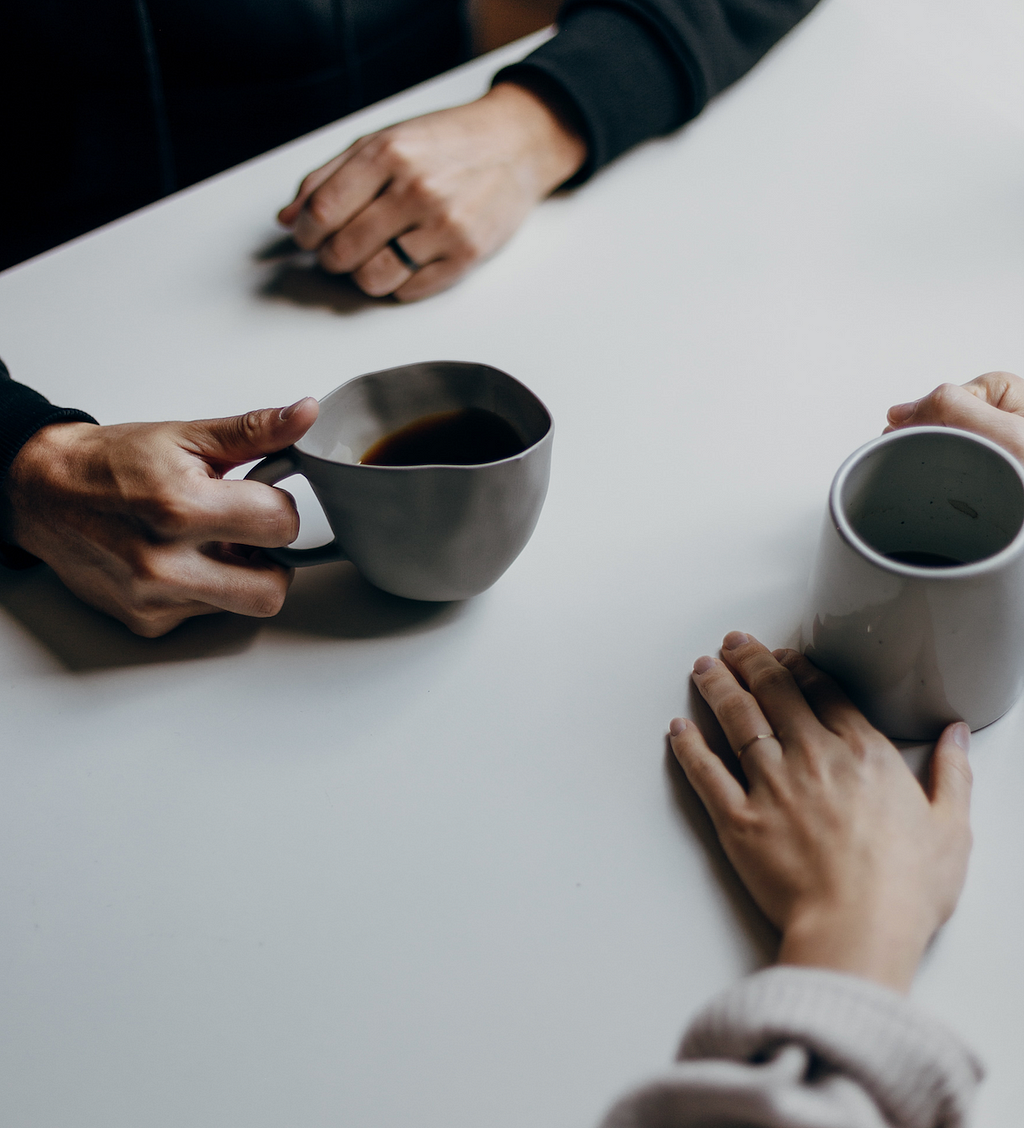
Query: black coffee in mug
[{"x": 469, "y": 436}]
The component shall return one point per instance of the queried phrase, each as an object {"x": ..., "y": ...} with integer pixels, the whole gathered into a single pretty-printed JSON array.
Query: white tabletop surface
[{"x": 379, "y": 864}]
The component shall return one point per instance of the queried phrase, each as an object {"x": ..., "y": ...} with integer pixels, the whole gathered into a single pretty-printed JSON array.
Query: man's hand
[
  {"x": 137, "y": 520},
  {"x": 451, "y": 187},
  {"x": 836, "y": 840},
  {"x": 992, "y": 406}
]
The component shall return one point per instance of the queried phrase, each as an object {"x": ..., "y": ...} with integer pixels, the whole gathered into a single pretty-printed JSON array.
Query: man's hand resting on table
[
  {"x": 137, "y": 521},
  {"x": 992, "y": 406},
  {"x": 844, "y": 851},
  {"x": 451, "y": 187}
]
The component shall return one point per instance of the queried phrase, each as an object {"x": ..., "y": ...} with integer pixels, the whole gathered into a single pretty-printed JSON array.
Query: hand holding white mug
[
  {"x": 137, "y": 520},
  {"x": 835, "y": 839},
  {"x": 448, "y": 188},
  {"x": 991, "y": 405}
]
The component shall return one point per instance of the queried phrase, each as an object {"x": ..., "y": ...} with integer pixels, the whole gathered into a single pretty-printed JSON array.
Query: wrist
[
  {"x": 42, "y": 460},
  {"x": 553, "y": 147},
  {"x": 884, "y": 945}
]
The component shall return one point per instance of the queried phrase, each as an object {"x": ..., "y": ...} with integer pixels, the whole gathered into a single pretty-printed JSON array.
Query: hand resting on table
[
  {"x": 137, "y": 521},
  {"x": 837, "y": 842},
  {"x": 451, "y": 187}
]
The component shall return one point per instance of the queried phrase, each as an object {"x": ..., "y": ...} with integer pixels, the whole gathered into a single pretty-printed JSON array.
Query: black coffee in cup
[{"x": 469, "y": 436}]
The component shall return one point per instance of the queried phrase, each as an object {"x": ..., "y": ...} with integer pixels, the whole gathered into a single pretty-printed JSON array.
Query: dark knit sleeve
[
  {"x": 627, "y": 70},
  {"x": 22, "y": 413}
]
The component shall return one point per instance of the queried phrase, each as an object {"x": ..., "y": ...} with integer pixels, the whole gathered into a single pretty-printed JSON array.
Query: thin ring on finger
[
  {"x": 403, "y": 255},
  {"x": 753, "y": 740}
]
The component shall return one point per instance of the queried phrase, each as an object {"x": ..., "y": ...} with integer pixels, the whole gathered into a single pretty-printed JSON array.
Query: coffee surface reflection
[
  {"x": 466, "y": 437},
  {"x": 925, "y": 559}
]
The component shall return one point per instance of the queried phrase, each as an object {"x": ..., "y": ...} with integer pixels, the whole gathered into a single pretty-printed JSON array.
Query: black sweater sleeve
[
  {"x": 626, "y": 70},
  {"x": 22, "y": 413}
]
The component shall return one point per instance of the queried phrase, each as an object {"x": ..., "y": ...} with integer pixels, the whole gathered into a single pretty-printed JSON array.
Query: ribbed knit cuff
[
  {"x": 919, "y": 1073},
  {"x": 611, "y": 69},
  {"x": 22, "y": 413}
]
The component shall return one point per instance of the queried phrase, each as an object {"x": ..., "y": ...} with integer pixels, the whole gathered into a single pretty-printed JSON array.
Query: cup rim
[
  {"x": 917, "y": 571},
  {"x": 548, "y": 431}
]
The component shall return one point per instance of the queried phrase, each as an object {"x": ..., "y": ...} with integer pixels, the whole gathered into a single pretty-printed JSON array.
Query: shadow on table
[
  {"x": 330, "y": 601},
  {"x": 299, "y": 279},
  {"x": 83, "y": 639},
  {"x": 334, "y": 601},
  {"x": 763, "y": 937}
]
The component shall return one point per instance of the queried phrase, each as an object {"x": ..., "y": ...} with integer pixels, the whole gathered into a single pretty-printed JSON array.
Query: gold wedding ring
[{"x": 754, "y": 740}]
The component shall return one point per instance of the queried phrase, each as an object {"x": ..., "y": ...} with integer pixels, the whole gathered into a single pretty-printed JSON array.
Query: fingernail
[
  {"x": 961, "y": 735},
  {"x": 903, "y": 411},
  {"x": 702, "y": 665},
  {"x": 735, "y": 639},
  {"x": 676, "y": 726},
  {"x": 288, "y": 412}
]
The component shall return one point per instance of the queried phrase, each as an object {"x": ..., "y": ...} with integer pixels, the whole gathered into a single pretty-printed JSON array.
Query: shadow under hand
[
  {"x": 83, "y": 639},
  {"x": 760, "y": 932},
  {"x": 329, "y": 601},
  {"x": 334, "y": 601},
  {"x": 298, "y": 278}
]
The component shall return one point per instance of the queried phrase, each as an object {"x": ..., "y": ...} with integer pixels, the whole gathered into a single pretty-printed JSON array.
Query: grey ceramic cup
[
  {"x": 423, "y": 532},
  {"x": 917, "y": 647}
]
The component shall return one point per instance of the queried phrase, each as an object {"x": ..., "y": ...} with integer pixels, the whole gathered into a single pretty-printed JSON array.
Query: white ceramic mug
[
  {"x": 424, "y": 532},
  {"x": 914, "y": 644}
]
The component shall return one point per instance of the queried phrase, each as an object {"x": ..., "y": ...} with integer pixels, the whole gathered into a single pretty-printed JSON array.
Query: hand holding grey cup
[
  {"x": 431, "y": 475},
  {"x": 917, "y": 596}
]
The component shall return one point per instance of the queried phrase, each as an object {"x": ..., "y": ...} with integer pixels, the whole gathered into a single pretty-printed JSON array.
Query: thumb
[
  {"x": 970, "y": 408},
  {"x": 241, "y": 438},
  {"x": 949, "y": 784}
]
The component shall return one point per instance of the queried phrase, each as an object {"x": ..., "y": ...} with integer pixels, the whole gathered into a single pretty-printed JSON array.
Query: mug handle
[{"x": 270, "y": 471}]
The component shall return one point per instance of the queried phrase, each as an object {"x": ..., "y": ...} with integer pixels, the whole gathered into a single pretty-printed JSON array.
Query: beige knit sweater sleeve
[{"x": 796, "y": 1047}]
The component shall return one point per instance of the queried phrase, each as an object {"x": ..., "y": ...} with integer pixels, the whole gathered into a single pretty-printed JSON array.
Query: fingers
[
  {"x": 721, "y": 795},
  {"x": 737, "y": 711},
  {"x": 830, "y": 704},
  {"x": 431, "y": 279},
  {"x": 225, "y": 443},
  {"x": 1002, "y": 390},
  {"x": 353, "y": 182},
  {"x": 950, "y": 776},
  {"x": 771, "y": 684},
  {"x": 180, "y": 581},
  {"x": 367, "y": 235},
  {"x": 991, "y": 406},
  {"x": 290, "y": 212},
  {"x": 238, "y": 513},
  {"x": 384, "y": 273},
  {"x": 252, "y": 585}
]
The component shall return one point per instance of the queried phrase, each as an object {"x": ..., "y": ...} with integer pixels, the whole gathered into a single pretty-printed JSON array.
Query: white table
[{"x": 378, "y": 865}]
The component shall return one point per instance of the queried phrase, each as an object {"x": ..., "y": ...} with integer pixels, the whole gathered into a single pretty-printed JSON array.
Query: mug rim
[
  {"x": 548, "y": 431},
  {"x": 898, "y": 567}
]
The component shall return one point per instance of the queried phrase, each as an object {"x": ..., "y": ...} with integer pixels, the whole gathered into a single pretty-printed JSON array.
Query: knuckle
[
  {"x": 732, "y": 707},
  {"x": 151, "y": 621},
  {"x": 336, "y": 256},
  {"x": 251, "y": 427},
  {"x": 943, "y": 397},
  {"x": 266, "y": 600},
  {"x": 427, "y": 195},
  {"x": 767, "y": 678},
  {"x": 320, "y": 207},
  {"x": 460, "y": 238},
  {"x": 282, "y": 523},
  {"x": 171, "y": 515},
  {"x": 392, "y": 147}
]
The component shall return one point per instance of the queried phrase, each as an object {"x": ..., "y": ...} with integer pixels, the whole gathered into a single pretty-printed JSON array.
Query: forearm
[
  {"x": 634, "y": 69},
  {"x": 797, "y": 1048}
]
